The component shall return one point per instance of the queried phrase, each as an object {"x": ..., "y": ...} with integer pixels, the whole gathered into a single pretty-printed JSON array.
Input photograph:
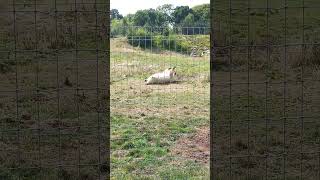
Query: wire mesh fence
[
  {"x": 160, "y": 122},
  {"x": 53, "y": 89},
  {"x": 265, "y": 73},
  {"x": 265, "y": 95}
]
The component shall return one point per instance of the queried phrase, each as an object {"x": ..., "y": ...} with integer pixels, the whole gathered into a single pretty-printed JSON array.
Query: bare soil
[{"x": 195, "y": 147}]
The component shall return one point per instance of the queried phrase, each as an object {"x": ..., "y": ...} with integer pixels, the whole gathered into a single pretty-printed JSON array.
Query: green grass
[
  {"x": 147, "y": 121},
  {"x": 139, "y": 64},
  {"x": 141, "y": 148}
]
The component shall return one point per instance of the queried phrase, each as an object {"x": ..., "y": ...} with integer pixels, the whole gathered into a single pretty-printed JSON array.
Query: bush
[
  {"x": 139, "y": 37},
  {"x": 117, "y": 28},
  {"x": 166, "y": 40}
]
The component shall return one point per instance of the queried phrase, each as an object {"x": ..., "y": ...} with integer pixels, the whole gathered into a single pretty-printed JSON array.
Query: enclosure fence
[
  {"x": 262, "y": 78},
  {"x": 53, "y": 89},
  {"x": 265, "y": 89}
]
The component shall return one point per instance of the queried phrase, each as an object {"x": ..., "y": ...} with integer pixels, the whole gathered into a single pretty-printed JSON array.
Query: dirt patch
[{"x": 195, "y": 147}]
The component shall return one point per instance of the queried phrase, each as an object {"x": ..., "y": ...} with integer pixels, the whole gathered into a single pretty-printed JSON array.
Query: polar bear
[{"x": 163, "y": 77}]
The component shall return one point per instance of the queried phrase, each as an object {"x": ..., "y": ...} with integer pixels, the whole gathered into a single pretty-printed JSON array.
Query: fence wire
[
  {"x": 265, "y": 89},
  {"x": 53, "y": 96},
  {"x": 159, "y": 131}
]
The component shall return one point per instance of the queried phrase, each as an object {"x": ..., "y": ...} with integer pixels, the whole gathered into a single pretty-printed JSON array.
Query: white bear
[{"x": 166, "y": 76}]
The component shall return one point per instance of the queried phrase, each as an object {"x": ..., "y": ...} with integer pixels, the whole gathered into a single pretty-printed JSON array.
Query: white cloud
[{"x": 131, "y": 6}]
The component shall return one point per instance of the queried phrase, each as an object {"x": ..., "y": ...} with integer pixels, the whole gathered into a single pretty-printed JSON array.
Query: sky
[{"x": 131, "y": 6}]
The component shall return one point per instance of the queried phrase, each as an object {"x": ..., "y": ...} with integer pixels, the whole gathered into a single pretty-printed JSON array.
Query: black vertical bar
[
  {"x": 97, "y": 89},
  {"x": 58, "y": 85},
  {"x": 37, "y": 84},
  {"x": 212, "y": 91},
  {"x": 230, "y": 88},
  {"x": 302, "y": 92},
  {"x": 77, "y": 81},
  {"x": 17, "y": 85},
  {"x": 107, "y": 89},
  {"x": 266, "y": 93},
  {"x": 285, "y": 90},
  {"x": 248, "y": 90}
]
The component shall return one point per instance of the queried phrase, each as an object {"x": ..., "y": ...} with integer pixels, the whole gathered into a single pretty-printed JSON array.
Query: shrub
[{"x": 140, "y": 37}]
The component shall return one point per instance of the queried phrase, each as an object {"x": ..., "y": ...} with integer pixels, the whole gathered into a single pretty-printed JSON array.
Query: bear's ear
[
  {"x": 174, "y": 68},
  {"x": 169, "y": 68}
]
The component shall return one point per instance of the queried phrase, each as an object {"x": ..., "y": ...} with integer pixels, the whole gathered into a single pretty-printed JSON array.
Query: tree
[
  {"x": 202, "y": 15},
  {"x": 116, "y": 27},
  {"x": 167, "y": 10},
  {"x": 166, "y": 17},
  {"x": 129, "y": 18},
  {"x": 180, "y": 13},
  {"x": 189, "y": 21},
  {"x": 150, "y": 17},
  {"x": 114, "y": 13},
  {"x": 140, "y": 18}
]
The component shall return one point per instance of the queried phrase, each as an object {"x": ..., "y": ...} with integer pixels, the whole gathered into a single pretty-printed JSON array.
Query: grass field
[{"x": 148, "y": 121}]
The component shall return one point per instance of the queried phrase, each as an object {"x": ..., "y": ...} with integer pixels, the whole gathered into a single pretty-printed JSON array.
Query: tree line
[{"x": 166, "y": 18}]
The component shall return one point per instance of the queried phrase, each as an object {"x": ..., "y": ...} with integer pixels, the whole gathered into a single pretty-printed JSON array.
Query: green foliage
[
  {"x": 189, "y": 20},
  {"x": 198, "y": 16},
  {"x": 166, "y": 17},
  {"x": 180, "y": 13},
  {"x": 140, "y": 37},
  {"x": 150, "y": 17},
  {"x": 166, "y": 10},
  {"x": 141, "y": 18},
  {"x": 114, "y": 14},
  {"x": 202, "y": 15},
  {"x": 117, "y": 28}
]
